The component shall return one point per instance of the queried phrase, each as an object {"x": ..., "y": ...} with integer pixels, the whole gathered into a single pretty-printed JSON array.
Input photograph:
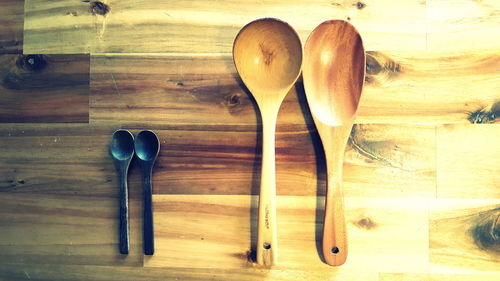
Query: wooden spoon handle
[
  {"x": 267, "y": 242},
  {"x": 334, "y": 228},
  {"x": 124, "y": 228},
  {"x": 334, "y": 141},
  {"x": 148, "y": 231}
]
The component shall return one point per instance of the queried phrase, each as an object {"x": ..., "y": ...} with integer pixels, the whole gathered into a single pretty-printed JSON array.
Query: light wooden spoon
[
  {"x": 334, "y": 73},
  {"x": 268, "y": 56}
]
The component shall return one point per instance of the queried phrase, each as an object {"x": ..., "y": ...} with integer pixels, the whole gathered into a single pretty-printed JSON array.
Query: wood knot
[
  {"x": 482, "y": 116},
  {"x": 251, "y": 255},
  {"x": 365, "y": 223},
  {"x": 360, "y": 5},
  {"x": 373, "y": 150},
  {"x": 99, "y": 8},
  {"x": 381, "y": 65},
  {"x": 392, "y": 66},
  {"x": 372, "y": 65},
  {"x": 32, "y": 63},
  {"x": 234, "y": 99},
  {"x": 486, "y": 233},
  {"x": 233, "y": 103}
]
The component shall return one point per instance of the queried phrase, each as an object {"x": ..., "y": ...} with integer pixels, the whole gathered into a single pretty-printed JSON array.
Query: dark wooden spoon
[
  {"x": 122, "y": 150},
  {"x": 147, "y": 147}
]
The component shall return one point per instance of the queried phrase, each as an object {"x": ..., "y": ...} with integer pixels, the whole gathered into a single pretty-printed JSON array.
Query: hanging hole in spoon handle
[
  {"x": 334, "y": 228},
  {"x": 267, "y": 252},
  {"x": 267, "y": 239}
]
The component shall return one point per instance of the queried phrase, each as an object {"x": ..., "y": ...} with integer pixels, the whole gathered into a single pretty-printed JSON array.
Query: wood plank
[
  {"x": 381, "y": 160},
  {"x": 438, "y": 277},
  {"x": 65, "y": 229},
  {"x": 214, "y": 231},
  {"x": 62, "y": 159},
  {"x": 402, "y": 87},
  {"x": 109, "y": 273},
  {"x": 468, "y": 161},
  {"x": 221, "y": 160},
  {"x": 200, "y": 27},
  {"x": 11, "y": 26},
  {"x": 44, "y": 88},
  {"x": 462, "y": 24},
  {"x": 463, "y": 233},
  {"x": 390, "y": 161},
  {"x": 163, "y": 89},
  {"x": 421, "y": 87}
]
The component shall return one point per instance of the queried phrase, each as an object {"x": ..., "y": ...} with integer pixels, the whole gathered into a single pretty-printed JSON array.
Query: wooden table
[{"x": 421, "y": 181}]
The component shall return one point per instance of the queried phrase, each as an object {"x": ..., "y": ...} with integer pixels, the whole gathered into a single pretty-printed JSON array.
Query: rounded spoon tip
[
  {"x": 334, "y": 71},
  {"x": 122, "y": 145},
  {"x": 267, "y": 53},
  {"x": 147, "y": 145}
]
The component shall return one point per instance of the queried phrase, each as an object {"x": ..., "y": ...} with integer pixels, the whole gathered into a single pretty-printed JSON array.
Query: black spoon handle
[
  {"x": 124, "y": 229},
  {"x": 149, "y": 247}
]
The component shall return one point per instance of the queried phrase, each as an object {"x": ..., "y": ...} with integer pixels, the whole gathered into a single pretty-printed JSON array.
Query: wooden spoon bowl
[
  {"x": 268, "y": 56},
  {"x": 334, "y": 64}
]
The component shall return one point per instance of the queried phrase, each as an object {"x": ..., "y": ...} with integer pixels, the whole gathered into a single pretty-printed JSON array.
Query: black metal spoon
[
  {"x": 147, "y": 147},
  {"x": 122, "y": 150}
]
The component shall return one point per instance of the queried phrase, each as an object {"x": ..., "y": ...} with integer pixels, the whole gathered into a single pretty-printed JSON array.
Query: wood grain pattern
[
  {"x": 65, "y": 229},
  {"x": 11, "y": 26},
  {"x": 401, "y": 87},
  {"x": 422, "y": 88},
  {"x": 464, "y": 233},
  {"x": 438, "y": 277},
  {"x": 200, "y": 27},
  {"x": 468, "y": 161},
  {"x": 44, "y": 88},
  {"x": 13, "y": 272},
  {"x": 382, "y": 160},
  {"x": 166, "y": 66},
  {"x": 66, "y": 159},
  {"x": 214, "y": 231},
  {"x": 124, "y": 86},
  {"x": 462, "y": 25},
  {"x": 391, "y": 161}
]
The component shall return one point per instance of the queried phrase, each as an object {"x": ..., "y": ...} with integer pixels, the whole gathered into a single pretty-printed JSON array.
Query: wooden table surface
[{"x": 422, "y": 179}]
